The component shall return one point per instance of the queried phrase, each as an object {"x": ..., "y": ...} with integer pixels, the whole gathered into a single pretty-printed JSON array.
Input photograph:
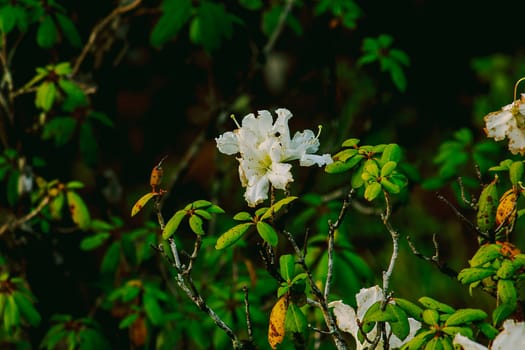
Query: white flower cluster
[
  {"x": 510, "y": 123},
  {"x": 264, "y": 149},
  {"x": 347, "y": 319},
  {"x": 511, "y": 337}
]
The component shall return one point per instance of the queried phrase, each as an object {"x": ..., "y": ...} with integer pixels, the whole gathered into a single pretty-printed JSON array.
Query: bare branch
[
  {"x": 279, "y": 28},
  {"x": 435, "y": 260},
  {"x": 13, "y": 224}
]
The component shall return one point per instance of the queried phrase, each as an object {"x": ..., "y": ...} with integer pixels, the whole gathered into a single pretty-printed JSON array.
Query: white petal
[
  {"x": 345, "y": 317},
  {"x": 311, "y": 159},
  {"x": 395, "y": 342},
  {"x": 511, "y": 337},
  {"x": 280, "y": 128},
  {"x": 257, "y": 190},
  {"x": 306, "y": 140},
  {"x": 280, "y": 175},
  {"x": 497, "y": 124},
  {"x": 516, "y": 139},
  {"x": 466, "y": 343},
  {"x": 365, "y": 298},
  {"x": 228, "y": 143}
]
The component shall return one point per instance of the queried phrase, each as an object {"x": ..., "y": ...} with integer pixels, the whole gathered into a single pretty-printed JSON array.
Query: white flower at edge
[
  {"x": 265, "y": 148},
  {"x": 510, "y": 123},
  {"x": 511, "y": 337},
  {"x": 346, "y": 318}
]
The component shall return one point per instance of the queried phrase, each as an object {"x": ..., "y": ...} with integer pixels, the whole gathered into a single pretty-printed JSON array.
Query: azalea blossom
[
  {"x": 347, "y": 319},
  {"x": 511, "y": 337},
  {"x": 510, "y": 123},
  {"x": 265, "y": 148}
]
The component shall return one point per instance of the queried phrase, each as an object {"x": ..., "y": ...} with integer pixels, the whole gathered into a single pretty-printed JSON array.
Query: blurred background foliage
[{"x": 95, "y": 93}]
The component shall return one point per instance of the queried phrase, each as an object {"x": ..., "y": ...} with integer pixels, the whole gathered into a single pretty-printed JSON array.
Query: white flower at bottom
[
  {"x": 265, "y": 148},
  {"x": 347, "y": 319},
  {"x": 510, "y": 123},
  {"x": 511, "y": 337}
]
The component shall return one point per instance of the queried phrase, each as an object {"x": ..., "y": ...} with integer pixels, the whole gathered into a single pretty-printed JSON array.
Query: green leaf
[
  {"x": 196, "y": 224},
  {"x": 7, "y": 18},
  {"x": 287, "y": 266},
  {"x": 232, "y": 235},
  {"x": 252, "y": 5},
  {"x": 75, "y": 96},
  {"x": 410, "y": 308},
  {"x": 153, "y": 309},
  {"x": 12, "y": 187},
  {"x": 175, "y": 14},
  {"x": 465, "y": 316},
  {"x": 371, "y": 167},
  {"x": 486, "y": 253},
  {"x": 436, "y": 305},
  {"x": 295, "y": 320},
  {"x": 74, "y": 185},
  {"x": 345, "y": 154},
  {"x": 401, "y": 327},
  {"x": 211, "y": 25},
  {"x": 242, "y": 216},
  {"x": 78, "y": 210},
  {"x": 507, "y": 292},
  {"x": 473, "y": 274},
  {"x": 203, "y": 214},
  {"x": 69, "y": 30},
  {"x": 63, "y": 68},
  {"x": 389, "y": 186},
  {"x": 45, "y": 95},
  {"x": 11, "y": 314},
  {"x": 47, "y": 33},
  {"x": 128, "y": 320},
  {"x": 94, "y": 241},
  {"x": 61, "y": 129},
  {"x": 372, "y": 191},
  {"x": 201, "y": 203},
  {"x": 431, "y": 317},
  {"x": 388, "y": 168},
  {"x": 111, "y": 259},
  {"x": 502, "y": 312},
  {"x": 516, "y": 170},
  {"x": 173, "y": 224},
  {"x": 27, "y": 309},
  {"x": 350, "y": 142},
  {"x": 392, "y": 153},
  {"x": 267, "y": 232},
  {"x": 277, "y": 206}
]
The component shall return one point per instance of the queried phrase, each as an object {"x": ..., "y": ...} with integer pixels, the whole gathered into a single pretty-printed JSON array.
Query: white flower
[
  {"x": 511, "y": 337},
  {"x": 510, "y": 123},
  {"x": 265, "y": 148},
  {"x": 347, "y": 318}
]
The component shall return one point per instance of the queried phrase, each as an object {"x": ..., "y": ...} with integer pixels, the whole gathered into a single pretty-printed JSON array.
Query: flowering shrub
[{"x": 282, "y": 248}]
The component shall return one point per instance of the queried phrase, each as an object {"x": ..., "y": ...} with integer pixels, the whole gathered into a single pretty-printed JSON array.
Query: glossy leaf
[
  {"x": 287, "y": 266},
  {"x": 173, "y": 224},
  {"x": 175, "y": 14},
  {"x": 372, "y": 191},
  {"x": 232, "y": 235},
  {"x": 45, "y": 95},
  {"x": 267, "y": 232},
  {"x": 196, "y": 224},
  {"x": 277, "y": 206}
]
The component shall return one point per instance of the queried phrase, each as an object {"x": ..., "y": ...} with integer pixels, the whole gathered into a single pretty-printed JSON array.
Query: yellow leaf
[
  {"x": 78, "y": 209},
  {"x": 142, "y": 202},
  {"x": 276, "y": 330}
]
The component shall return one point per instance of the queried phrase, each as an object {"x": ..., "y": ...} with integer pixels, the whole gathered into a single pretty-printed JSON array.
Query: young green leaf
[
  {"x": 287, "y": 266},
  {"x": 372, "y": 191},
  {"x": 295, "y": 320},
  {"x": 267, "y": 232},
  {"x": 45, "y": 95},
  {"x": 277, "y": 206},
  {"x": 516, "y": 170},
  {"x": 196, "y": 224},
  {"x": 173, "y": 224}
]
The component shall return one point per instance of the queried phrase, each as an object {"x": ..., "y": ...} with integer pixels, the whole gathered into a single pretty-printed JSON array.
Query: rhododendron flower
[
  {"x": 264, "y": 149},
  {"x": 510, "y": 123},
  {"x": 511, "y": 337},
  {"x": 347, "y": 319}
]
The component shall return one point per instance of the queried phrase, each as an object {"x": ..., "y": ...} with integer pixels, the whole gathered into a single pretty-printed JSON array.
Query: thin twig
[
  {"x": 193, "y": 256},
  {"x": 470, "y": 202},
  {"x": 13, "y": 224},
  {"x": 279, "y": 28},
  {"x": 435, "y": 260},
  {"x": 247, "y": 312},
  {"x": 332, "y": 227},
  {"x": 98, "y": 28},
  {"x": 323, "y": 304}
]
